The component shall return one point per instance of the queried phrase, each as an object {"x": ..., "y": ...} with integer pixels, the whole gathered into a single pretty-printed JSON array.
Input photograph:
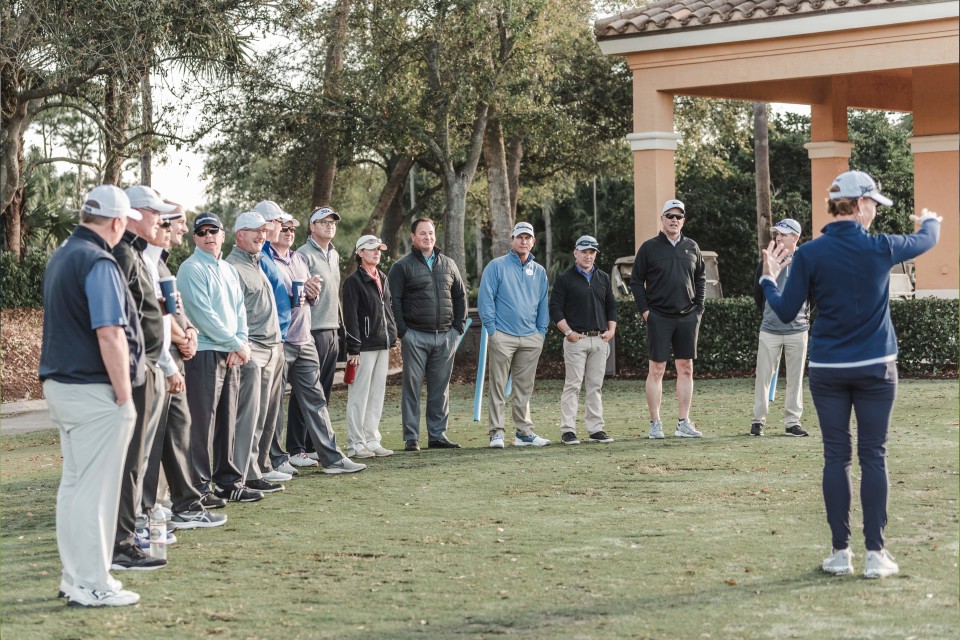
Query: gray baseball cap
[
  {"x": 787, "y": 225},
  {"x": 587, "y": 242},
  {"x": 857, "y": 184}
]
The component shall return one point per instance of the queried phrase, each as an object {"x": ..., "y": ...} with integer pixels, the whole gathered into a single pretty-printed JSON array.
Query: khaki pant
[
  {"x": 586, "y": 364},
  {"x": 515, "y": 356},
  {"x": 794, "y": 347},
  {"x": 94, "y": 435}
]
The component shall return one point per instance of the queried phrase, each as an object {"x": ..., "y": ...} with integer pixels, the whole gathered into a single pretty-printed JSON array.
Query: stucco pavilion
[{"x": 895, "y": 55}]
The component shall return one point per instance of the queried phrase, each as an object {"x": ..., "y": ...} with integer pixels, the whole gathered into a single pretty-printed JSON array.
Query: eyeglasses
[
  {"x": 674, "y": 216},
  {"x": 210, "y": 231},
  {"x": 288, "y": 229},
  {"x": 165, "y": 225},
  {"x": 327, "y": 223}
]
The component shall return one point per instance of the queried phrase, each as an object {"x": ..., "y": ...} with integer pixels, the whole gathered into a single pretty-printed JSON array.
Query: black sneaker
[
  {"x": 411, "y": 445},
  {"x": 600, "y": 436},
  {"x": 264, "y": 486},
  {"x": 568, "y": 437},
  {"x": 136, "y": 560},
  {"x": 238, "y": 494},
  {"x": 210, "y": 501},
  {"x": 796, "y": 431},
  {"x": 756, "y": 429}
]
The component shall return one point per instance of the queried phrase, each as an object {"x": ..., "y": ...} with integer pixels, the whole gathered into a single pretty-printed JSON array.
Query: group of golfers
[{"x": 160, "y": 389}]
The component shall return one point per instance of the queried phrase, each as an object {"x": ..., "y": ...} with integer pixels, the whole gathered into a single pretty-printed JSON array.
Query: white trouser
[
  {"x": 94, "y": 435},
  {"x": 365, "y": 400}
]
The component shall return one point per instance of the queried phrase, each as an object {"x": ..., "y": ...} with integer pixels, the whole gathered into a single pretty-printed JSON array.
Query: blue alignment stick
[
  {"x": 481, "y": 373},
  {"x": 773, "y": 385}
]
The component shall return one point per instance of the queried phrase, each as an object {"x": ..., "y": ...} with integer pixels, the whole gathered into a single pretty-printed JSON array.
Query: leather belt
[{"x": 592, "y": 334}]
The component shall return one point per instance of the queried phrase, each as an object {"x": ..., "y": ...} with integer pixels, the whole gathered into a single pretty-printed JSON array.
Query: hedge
[
  {"x": 21, "y": 283},
  {"x": 927, "y": 330}
]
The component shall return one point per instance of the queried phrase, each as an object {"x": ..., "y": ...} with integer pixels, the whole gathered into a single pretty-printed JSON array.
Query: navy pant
[{"x": 869, "y": 391}]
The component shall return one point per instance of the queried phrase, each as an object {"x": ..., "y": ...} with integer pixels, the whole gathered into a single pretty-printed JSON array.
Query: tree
[{"x": 761, "y": 159}]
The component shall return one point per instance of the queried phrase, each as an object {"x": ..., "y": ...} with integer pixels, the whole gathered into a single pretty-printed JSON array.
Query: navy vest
[{"x": 71, "y": 352}]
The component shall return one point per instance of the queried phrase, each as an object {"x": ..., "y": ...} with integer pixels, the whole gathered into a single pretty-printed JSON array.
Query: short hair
[
  {"x": 90, "y": 218},
  {"x": 416, "y": 223}
]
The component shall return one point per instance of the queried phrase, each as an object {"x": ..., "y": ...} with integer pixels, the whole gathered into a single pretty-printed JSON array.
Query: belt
[{"x": 592, "y": 334}]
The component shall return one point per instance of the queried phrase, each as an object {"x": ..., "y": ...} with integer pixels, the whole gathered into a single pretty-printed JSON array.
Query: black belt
[{"x": 592, "y": 334}]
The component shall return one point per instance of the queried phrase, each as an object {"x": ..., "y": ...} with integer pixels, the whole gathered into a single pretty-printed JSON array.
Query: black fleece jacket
[{"x": 670, "y": 280}]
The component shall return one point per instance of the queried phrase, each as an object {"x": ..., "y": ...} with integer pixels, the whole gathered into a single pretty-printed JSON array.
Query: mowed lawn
[{"x": 714, "y": 538}]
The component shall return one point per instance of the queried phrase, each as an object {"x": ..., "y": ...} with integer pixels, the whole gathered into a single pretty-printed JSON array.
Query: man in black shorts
[{"x": 669, "y": 283}]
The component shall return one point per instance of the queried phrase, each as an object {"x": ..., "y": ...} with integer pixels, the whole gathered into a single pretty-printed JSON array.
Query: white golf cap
[
  {"x": 673, "y": 204},
  {"x": 370, "y": 242},
  {"x": 787, "y": 225},
  {"x": 323, "y": 212},
  {"x": 108, "y": 201},
  {"x": 271, "y": 211},
  {"x": 521, "y": 228},
  {"x": 249, "y": 220},
  {"x": 144, "y": 197}
]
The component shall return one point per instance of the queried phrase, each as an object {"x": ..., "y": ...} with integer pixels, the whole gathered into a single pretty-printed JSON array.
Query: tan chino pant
[
  {"x": 515, "y": 356},
  {"x": 586, "y": 364},
  {"x": 794, "y": 347}
]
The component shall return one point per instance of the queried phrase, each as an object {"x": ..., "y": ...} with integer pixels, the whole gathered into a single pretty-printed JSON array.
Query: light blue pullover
[
  {"x": 513, "y": 297},
  {"x": 213, "y": 300}
]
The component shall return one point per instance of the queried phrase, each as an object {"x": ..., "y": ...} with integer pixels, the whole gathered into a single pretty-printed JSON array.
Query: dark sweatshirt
[{"x": 670, "y": 280}]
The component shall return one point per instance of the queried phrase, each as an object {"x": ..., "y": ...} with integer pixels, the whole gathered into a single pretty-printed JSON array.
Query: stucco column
[
  {"x": 828, "y": 149},
  {"x": 654, "y": 144},
  {"x": 936, "y": 165}
]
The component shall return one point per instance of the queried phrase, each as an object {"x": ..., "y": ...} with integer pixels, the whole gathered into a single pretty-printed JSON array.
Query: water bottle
[{"x": 158, "y": 534}]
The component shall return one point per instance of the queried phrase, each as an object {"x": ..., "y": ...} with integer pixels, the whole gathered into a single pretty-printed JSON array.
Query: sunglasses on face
[
  {"x": 673, "y": 216},
  {"x": 165, "y": 225},
  {"x": 206, "y": 232},
  {"x": 288, "y": 229}
]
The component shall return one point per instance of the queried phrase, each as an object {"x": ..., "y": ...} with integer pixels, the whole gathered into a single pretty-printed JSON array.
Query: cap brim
[
  {"x": 879, "y": 199},
  {"x": 585, "y": 247},
  {"x": 380, "y": 246},
  {"x": 133, "y": 214}
]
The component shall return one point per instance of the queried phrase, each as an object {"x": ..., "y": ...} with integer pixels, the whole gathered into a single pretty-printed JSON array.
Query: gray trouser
[
  {"x": 259, "y": 383},
  {"x": 212, "y": 398},
  {"x": 302, "y": 370},
  {"x": 261, "y": 457},
  {"x": 175, "y": 454},
  {"x": 515, "y": 356},
  {"x": 430, "y": 354},
  {"x": 94, "y": 435}
]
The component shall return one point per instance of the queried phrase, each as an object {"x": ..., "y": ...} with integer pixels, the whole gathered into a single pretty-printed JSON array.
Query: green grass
[{"x": 716, "y": 538}]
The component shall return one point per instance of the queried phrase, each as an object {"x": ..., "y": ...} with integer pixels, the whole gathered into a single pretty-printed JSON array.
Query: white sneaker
[
  {"x": 302, "y": 460},
  {"x": 532, "y": 440},
  {"x": 277, "y": 476},
  {"x": 360, "y": 453},
  {"x": 656, "y": 430},
  {"x": 685, "y": 429},
  {"x": 313, "y": 455},
  {"x": 83, "y": 597},
  {"x": 840, "y": 563},
  {"x": 879, "y": 564},
  {"x": 344, "y": 465},
  {"x": 288, "y": 469},
  {"x": 496, "y": 441},
  {"x": 381, "y": 452}
]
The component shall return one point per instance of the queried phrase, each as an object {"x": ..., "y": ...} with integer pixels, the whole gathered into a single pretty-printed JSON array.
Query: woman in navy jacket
[
  {"x": 371, "y": 332},
  {"x": 853, "y": 352}
]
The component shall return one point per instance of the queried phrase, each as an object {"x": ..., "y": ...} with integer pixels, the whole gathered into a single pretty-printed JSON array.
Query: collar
[
  {"x": 329, "y": 248},
  {"x": 843, "y": 227},
  {"x": 276, "y": 254},
  {"x": 665, "y": 237},
  {"x": 153, "y": 252},
  {"x": 203, "y": 256},
  {"x": 135, "y": 241},
  {"x": 516, "y": 257},
  {"x": 87, "y": 234},
  {"x": 253, "y": 258},
  {"x": 585, "y": 274}
]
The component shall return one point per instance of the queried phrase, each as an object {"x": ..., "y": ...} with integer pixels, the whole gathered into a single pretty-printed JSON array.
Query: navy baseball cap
[{"x": 207, "y": 220}]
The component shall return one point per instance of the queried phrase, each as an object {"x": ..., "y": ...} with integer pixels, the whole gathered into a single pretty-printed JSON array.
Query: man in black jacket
[
  {"x": 669, "y": 284},
  {"x": 430, "y": 309},
  {"x": 583, "y": 308}
]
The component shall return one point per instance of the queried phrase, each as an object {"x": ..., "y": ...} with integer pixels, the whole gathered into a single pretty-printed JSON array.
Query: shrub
[
  {"x": 21, "y": 283},
  {"x": 927, "y": 330}
]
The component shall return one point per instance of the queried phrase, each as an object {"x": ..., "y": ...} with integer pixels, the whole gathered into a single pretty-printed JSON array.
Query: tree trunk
[
  {"x": 547, "y": 209},
  {"x": 146, "y": 116},
  {"x": 118, "y": 102},
  {"x": 393, "y": 226},
  {"x": 761, "y": 156},
  {"x": 398, "y": 175},
  {"x": 454, "y": 215},
  {"x": 514, "y": 158},
  {"x": 498, "y": 187},
  {"x": 11, "y": 178},
  {"x": 326, "y": 161},
  {"x": 478, "y": 244}
]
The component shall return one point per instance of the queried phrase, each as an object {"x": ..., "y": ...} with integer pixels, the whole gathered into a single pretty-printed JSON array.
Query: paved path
[{"x": 32, "y": 415}]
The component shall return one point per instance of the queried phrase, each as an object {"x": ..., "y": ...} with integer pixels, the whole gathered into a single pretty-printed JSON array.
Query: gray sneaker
[
  {"x": 201, "y": 519},
  {"x": 656, "y": 430},
  {"x": 686, "y": 429},
  {"x": 879, "y": 564},
  {"x": 840, "y": 563},
  {"x": 289, "y": 469},
  {"x": 344, "y": 465}
]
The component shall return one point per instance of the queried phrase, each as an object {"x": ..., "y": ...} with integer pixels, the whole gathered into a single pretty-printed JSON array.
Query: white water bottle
[{"x": 158, "y": 534}]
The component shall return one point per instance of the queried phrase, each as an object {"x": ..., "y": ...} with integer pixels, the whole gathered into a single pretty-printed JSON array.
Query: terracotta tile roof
[{"x": 663, "y": 15}]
